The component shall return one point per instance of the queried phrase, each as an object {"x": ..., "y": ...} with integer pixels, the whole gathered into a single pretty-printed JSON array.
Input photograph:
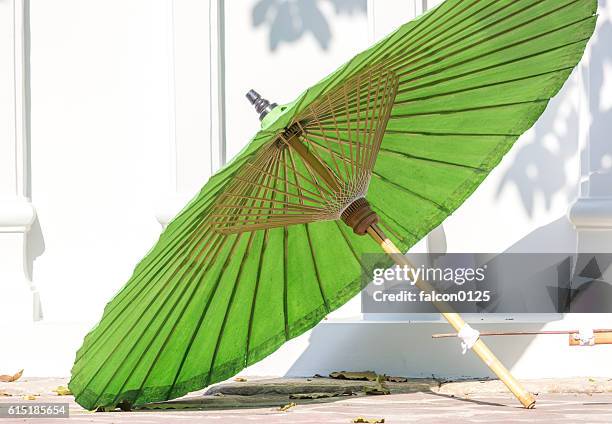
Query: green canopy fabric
[{"x": 472, "y": 76}]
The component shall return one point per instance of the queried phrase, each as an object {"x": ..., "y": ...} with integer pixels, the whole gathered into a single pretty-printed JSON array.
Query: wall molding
[
  {"x": 196, "y": 60},
  {"x": 385, "y": 15},
  {"x": 18, "y": 297},
  {"x": 591, "y": 213}
]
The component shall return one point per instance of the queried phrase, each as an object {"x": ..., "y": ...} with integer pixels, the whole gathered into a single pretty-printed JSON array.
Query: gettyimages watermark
[{"x": 489, "y": 283}]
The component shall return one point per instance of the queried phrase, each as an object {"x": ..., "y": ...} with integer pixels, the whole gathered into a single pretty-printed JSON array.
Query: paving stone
[
  {"x": 568, "y": 385},
  {"x": 425, "y": 407}
]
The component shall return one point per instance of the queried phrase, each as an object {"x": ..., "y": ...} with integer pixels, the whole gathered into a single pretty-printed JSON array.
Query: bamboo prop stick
[
  {"x": 455, "y": 320},
  {"x": 520, "y": 333}
]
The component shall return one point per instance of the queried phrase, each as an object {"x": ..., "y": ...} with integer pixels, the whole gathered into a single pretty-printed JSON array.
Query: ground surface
[{"x": 420, "y": 401}]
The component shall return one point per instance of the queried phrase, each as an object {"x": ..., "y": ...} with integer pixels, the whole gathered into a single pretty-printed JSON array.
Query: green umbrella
[{"x": 262, "y": 253}]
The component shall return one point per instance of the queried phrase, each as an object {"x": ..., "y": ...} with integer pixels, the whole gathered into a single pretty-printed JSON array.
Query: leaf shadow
[
  {"x": 539, "y": 171},
  {"x": 290, "y": 20}
]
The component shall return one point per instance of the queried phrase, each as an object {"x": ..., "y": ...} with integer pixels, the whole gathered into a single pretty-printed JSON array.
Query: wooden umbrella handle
[
  {"x": 362, "y": 219},
  {"x": 458, "y": 323}
]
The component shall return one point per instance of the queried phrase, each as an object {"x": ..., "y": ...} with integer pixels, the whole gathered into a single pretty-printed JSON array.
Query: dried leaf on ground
[
  {"x": 379, "y": 388},
  {"x": 30, "y": 397},
  {"x": 396, "y": 379},
  {"x": 4, "y": 394},
  {"x": 376, "y": 391},
  {"x": 321, "y": 395},
  {"x": 354, "y": 375},
  {"x": 287, "y": 407},
  {"x": 62, "y": 391},
  {"x": 11, "y": 378},
  {"x": 240, "y": 379},
  {"x": 368, "y": 420}
]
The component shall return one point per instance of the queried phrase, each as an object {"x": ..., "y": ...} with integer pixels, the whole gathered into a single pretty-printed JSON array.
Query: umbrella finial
[{"x": 262, "y": 106}]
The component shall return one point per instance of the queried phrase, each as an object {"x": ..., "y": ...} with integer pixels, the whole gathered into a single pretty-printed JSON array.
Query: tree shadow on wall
[
  {"x": 600, "y": 105},
  {"x": 289, "y": 20},
  {"x": 556, "y": 135},
  {"x": 538, "y": 169}
]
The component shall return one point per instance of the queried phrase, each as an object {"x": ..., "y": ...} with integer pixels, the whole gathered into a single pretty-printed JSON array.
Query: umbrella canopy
[{"x": 259, "y": 256}]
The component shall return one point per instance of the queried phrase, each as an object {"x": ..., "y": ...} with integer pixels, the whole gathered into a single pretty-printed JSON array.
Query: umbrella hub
[
  {"x": 359, "y": 216},
  {"x": 319, "y": 166}
]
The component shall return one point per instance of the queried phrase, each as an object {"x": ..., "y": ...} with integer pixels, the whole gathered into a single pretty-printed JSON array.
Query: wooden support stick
[
  {"x": 455, "y": 320},
  {"x": 519, "y": 333}
]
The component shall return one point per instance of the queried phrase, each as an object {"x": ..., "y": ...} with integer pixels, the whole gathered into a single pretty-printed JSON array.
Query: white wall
[
  {"x": 120, "y": 137},
  {"x": 99, "y": 146},
  {"x": 98, "y": 158}
]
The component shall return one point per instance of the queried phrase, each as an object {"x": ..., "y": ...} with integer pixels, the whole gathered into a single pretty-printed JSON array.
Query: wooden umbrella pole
[
  {"x": 455, "y": 320},
  {"x": 363, "y": 220}
]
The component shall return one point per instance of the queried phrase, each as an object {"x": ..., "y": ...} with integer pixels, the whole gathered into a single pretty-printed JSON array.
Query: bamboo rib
[
  {"x": 341, "y": 163},
  {"x": 455, "y": 320}
]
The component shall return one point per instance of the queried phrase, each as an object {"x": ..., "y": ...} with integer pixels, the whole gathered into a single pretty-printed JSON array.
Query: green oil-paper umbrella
[{"x": 274, "y": 241}]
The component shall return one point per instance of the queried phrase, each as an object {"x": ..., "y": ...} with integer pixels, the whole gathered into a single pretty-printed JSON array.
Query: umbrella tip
[{"x": 262, "y": 106}]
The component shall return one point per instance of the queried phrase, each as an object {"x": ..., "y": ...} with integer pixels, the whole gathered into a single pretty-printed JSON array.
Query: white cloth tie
[
  {"x": 468, "y": 337},
  {"x": 585, "y": 336}
]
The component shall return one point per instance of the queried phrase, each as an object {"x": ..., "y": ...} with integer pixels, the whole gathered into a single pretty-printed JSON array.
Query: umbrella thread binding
[{"x": 359, "y": 216}]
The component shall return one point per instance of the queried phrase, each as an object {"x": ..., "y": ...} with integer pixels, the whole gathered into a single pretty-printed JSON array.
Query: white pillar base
[
  {"x": 19, "y": 302},
  {"x": 594, "y": 213},
  {"x": 593, "y": 220},
  {"x": 19, "y": 299}
]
